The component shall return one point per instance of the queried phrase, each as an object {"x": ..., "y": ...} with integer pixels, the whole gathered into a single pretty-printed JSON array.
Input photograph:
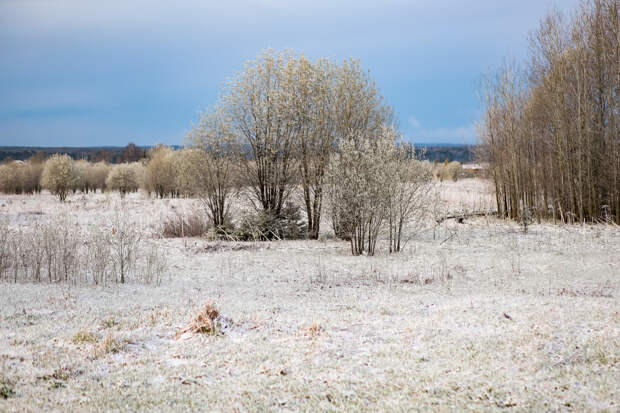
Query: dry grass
[
  {"x": 178, "y": 225},
  {"x": 109, "y": 345},
  {"x": 314, "y": 331},
  {"x": 84, "y": 336},
  {"x": 205, "y": 321}
]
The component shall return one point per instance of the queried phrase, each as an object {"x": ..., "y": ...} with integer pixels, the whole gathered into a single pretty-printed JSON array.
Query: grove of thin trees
[{"x": 551, "y": 129}]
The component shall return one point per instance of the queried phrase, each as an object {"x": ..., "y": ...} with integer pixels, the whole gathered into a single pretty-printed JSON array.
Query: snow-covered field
[{"x": 474, "y": 316}]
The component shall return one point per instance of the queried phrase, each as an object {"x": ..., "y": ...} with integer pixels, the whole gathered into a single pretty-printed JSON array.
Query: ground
[{"x": 475, "y": 316}]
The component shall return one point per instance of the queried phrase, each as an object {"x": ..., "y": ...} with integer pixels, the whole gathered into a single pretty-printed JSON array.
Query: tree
[
  {"x": 97, "y": 174},
  {"x": 123, "y": 178},
  {"x": 331, "y": 103},
  {"x": 359, "y": 186},
  {"x": 552, "y": 129},
  {"x": 258, "y": 102},
  {"x": 160, "y": 173},
  {"x": 59, "y": 175},
  {"x": 410, "y": 199},
  {"x": 288, "y": 114},
  {"x": 131, "y": 153},
  {"x": 209, "y": 170}
]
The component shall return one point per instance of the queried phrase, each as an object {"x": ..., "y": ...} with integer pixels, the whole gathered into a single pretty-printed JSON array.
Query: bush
[
  {"x": 97, "y": 174},
  {"x": 361, "y": 176},
  {"x": 265, "y": 225},
  {"x": 19, "y": 177},
  {"x": 450, "y": 171},
  {"x": 7, "y": 178},
  {"x": 32, "y": 176},
  {"x": 62, "y": 251},
  {"x": 123, "y": 178},
  {"x": 59, "y": 176},
  {"x": 160, "y": 174},
  {"x": 81, "y": 168}
]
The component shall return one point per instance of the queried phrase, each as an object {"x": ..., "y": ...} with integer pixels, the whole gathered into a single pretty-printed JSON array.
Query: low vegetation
[{"x": 61, "y": 251}]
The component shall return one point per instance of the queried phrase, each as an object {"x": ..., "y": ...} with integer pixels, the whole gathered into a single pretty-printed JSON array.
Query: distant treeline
[{"x": 133, "y": 153}]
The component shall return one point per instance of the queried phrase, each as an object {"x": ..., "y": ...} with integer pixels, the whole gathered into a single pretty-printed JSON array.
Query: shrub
[
  {"x": 33, "y": 171},
  {"x": 450, "y": 170},
  {"x": 265, "y": 225},
  {"x": 210, "y": 169},
  {"x": 59, "y": 175},
  {"x": 61, "y": 251},
  {"x": 160, "y": 172},
  {"x": 360, "y": 178},
  {"x": 81, "y": 172},
  {"x": 97, "y": 174},
  {"x": 124, "y": 243},
  {"x": 20, "y": 177},
  {"x": 5, "y": 246},
  {"x": 123, "y": 178},
  {"x": 7, "y": 179}
]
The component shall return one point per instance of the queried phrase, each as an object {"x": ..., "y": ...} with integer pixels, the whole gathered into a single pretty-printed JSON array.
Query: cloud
[{"x": 414, "y": 123}]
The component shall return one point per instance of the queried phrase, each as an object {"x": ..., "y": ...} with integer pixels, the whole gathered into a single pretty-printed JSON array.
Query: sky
[{"x": 106, "y": 73}]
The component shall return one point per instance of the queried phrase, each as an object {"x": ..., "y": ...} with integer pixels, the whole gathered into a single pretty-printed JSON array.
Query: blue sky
[{"x": 93, "y": 73}]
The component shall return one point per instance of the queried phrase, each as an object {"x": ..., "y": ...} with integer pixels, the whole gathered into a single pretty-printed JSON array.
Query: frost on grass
[{"x": 316, "y": 329}]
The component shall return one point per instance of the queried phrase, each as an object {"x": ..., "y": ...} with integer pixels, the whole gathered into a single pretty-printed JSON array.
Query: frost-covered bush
[
  {"x": 61, "y": 251},
  {"x": 360, "y": 179},
  {"x": 59, "y": 175},
  {"x": 377, "y": 185},
  {"x": 81, "y": 183},
  {"x": 266, "y": 225},
  {"x": 210, "y": 170},
  {"x": 97, "y": 174},
  {"x": 123, "y": 178},
  {"x": 160, "y": 172}
]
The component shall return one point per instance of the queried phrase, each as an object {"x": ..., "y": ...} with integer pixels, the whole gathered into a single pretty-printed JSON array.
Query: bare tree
[
  {"x": 410, "y": 194},
  {"x": 359, "y": 186},
  {"x": 258, "y": 102},
  {"x": 552, "y": 130},
  {"x": 210, "y": 170}
]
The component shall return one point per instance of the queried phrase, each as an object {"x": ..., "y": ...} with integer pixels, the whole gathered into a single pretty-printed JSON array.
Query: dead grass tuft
[
  {"x": 108, "y": 345},
  {"x": 314, "y": 331},
  {"x": 84, "y": 336},
  {"x": 206, "y": 321}
]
